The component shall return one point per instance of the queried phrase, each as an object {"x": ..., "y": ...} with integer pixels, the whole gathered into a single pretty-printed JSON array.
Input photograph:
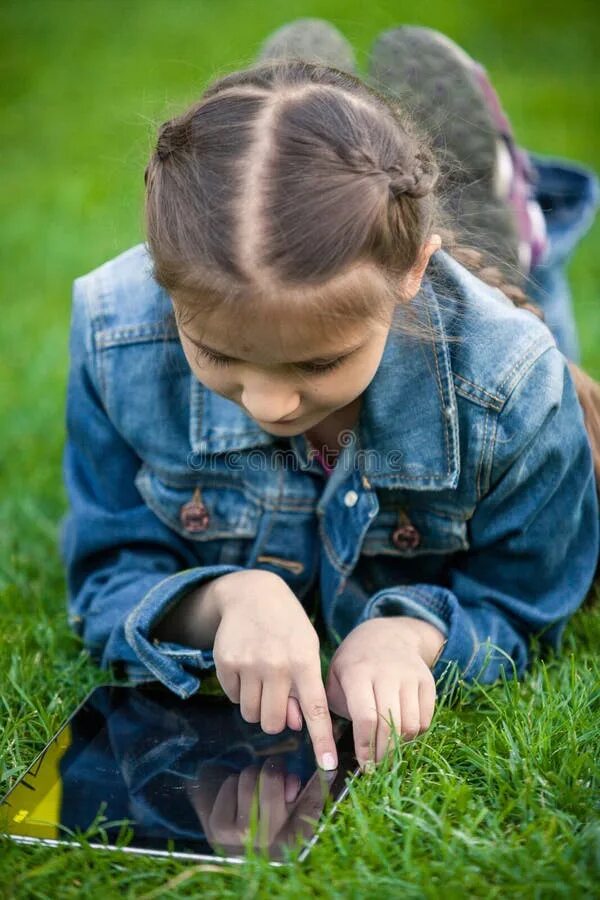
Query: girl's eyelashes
[
  {"x": 312, "y": 368},
  {"x": 215, "y": 360},
  {"x": 324, "y": 367}
]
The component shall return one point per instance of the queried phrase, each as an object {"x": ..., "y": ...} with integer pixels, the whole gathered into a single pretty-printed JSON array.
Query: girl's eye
[
  {"x": 325, "y": 367},
  {"x": 216, "y": 360},
  {"x": 312, "y": 368}
]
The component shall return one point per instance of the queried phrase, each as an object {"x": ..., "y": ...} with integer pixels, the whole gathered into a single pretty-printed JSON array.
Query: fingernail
[{"x": 328, "y": 762}]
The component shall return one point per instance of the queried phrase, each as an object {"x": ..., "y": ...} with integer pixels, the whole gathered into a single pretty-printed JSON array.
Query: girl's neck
[{"x": 325, "y": 435}]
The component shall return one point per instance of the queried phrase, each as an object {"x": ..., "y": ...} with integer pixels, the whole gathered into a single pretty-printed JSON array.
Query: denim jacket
[{"x": 464, "y": 495}]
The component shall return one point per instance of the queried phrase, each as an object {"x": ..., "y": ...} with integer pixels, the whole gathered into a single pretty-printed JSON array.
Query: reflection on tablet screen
[{"x": 167, "y": 775}]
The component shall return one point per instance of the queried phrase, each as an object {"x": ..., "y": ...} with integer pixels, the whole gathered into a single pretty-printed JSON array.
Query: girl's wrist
[
  {"x": 428, "y": 640},
  {"x": 193, "y": 620}
]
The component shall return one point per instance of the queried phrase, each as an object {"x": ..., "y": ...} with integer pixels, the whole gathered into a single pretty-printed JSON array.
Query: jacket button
[
  {"x": 350, "y": 498},
  {"x": 194, "y": 515},
  {"x": 405, "y": 536}
]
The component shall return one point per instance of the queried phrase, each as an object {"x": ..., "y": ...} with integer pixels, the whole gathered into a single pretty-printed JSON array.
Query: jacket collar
[{"x": 407, "y": 432}]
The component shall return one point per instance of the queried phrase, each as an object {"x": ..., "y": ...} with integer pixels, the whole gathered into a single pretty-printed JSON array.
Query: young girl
[{"x": 297, "y": 391}]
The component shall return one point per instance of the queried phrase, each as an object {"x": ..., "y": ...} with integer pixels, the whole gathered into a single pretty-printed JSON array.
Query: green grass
[{"x": 498, "y": 798}]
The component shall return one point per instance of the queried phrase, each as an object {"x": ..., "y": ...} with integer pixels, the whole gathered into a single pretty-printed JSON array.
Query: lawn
[{"x": 499, "y": 797}]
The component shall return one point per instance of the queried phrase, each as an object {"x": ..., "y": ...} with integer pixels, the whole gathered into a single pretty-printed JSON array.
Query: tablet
[{"x": 138, "y": 769}]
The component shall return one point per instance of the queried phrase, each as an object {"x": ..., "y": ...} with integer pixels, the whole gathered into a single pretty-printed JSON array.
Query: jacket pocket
[
  {"x": 407, "y": 531},
  {"x": 211, "y": 511}
]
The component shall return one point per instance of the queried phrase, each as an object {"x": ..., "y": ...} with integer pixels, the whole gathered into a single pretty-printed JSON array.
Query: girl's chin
[{"x": 294, "y": 426}]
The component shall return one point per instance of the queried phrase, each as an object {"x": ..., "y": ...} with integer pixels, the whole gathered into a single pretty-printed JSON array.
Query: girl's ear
[{"x": 412, "y": 280}]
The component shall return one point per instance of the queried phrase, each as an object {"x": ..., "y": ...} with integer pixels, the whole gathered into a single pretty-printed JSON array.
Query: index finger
[{"x": 313, "y": 703}]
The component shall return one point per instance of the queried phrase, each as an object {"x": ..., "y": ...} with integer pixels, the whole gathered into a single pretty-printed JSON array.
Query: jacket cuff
[
  {"x": 165, "y": 660},
  {"x": 409, "y": 601}
]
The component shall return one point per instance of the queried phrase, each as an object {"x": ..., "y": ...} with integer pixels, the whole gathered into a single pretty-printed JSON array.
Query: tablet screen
[{"x": 140, "y": 769}]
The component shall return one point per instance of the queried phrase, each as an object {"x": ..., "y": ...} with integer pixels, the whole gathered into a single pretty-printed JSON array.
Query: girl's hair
[{"x": 295, "y": 183}]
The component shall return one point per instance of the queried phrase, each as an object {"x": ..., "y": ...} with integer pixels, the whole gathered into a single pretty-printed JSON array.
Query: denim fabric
[
  {"x": 474, "y": 442},
  {"x": 568, "y": 195}
]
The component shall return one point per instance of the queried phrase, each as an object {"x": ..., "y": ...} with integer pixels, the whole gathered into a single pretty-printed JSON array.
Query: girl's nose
[{"x": 270, "y": 406}]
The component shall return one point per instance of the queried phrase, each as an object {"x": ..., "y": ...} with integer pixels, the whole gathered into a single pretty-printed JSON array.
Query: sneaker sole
[
  {"x": 310, "y": 39},
  {"x": 431, "y": 76}
]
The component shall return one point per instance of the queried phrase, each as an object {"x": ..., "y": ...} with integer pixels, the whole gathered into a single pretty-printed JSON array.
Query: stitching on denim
[
  {"x": 189, "y": 657},
  {"x": 426, "y": 519},
  {"x": 441, "y": 394},
  {"x": 133, "y": 334},
  {"x": 469, "y": 395},
  {"x": 89, "y": 340},
  {"x": 100, "y": 320},
  {"x": 280, "y": 502},
  {"x": 256, "y": 550},
  {"x": 334, "y": 559},
  {"x": 482, "y": 455},
  {"x": 171, "y": 521},
  {"x": 390, "y": 480},
  {"x": 520, "y": 362},
  {"x": 478, "y": 387},
  {"x": 262, "y": 501},
  {"x": 431, "y": 507},
  {"x": 465, "y": 394},
  {"x": 196, "y": 401},
  {"x": 490, "y": 455},
  {"x": 522, "y": 365},
  {"x": 436, "y": 604},
  {"x": 171, "y": 481},
  {"x": 148, "y": 660},
  {"x": 288, "y": 506}
]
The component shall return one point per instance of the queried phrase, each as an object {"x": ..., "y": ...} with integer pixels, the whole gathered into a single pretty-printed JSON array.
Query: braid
[
  {"x": 415, "y": 181},
  {"x": 474, "y": 260}
]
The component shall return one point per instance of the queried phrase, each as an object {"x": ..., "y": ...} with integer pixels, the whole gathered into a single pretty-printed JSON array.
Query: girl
[{"x": 297, "y": 391}]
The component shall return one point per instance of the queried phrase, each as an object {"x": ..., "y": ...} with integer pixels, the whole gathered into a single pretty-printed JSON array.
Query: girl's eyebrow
[{"x": 315, "y": 359}]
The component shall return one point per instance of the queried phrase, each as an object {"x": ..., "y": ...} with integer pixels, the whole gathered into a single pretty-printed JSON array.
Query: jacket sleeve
[
  {"x": 534, "y": 538},
  {"x": 124, "y": 567}
]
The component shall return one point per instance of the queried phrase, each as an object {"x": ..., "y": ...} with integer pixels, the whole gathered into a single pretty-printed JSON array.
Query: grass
[{"x": 498, "y": 798}]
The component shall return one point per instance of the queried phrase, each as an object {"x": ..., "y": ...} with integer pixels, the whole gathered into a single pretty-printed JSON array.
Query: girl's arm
[
  {"x": 534, "y": 538},
  {"x": 125, "y": 569}
]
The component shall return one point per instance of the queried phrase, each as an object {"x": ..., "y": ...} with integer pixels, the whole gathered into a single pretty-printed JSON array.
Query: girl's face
[
  {"x": 284, "y": 374},
  {"x": 279, "y": 372}
]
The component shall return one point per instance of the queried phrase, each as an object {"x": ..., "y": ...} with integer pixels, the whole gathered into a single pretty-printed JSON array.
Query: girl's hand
[
  {"x": 266, "y": 655},
  {"x": 382, "y": 669}
]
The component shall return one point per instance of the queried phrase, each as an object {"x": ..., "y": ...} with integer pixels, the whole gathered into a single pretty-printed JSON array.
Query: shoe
[
  {"x": 311, "y": 39},
  {"x": 487, "y": 181}
]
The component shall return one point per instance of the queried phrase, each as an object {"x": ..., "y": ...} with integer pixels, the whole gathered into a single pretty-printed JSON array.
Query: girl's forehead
[
  {"x": 290, "y": 335},
  {"x": 327, "y": 315}
]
